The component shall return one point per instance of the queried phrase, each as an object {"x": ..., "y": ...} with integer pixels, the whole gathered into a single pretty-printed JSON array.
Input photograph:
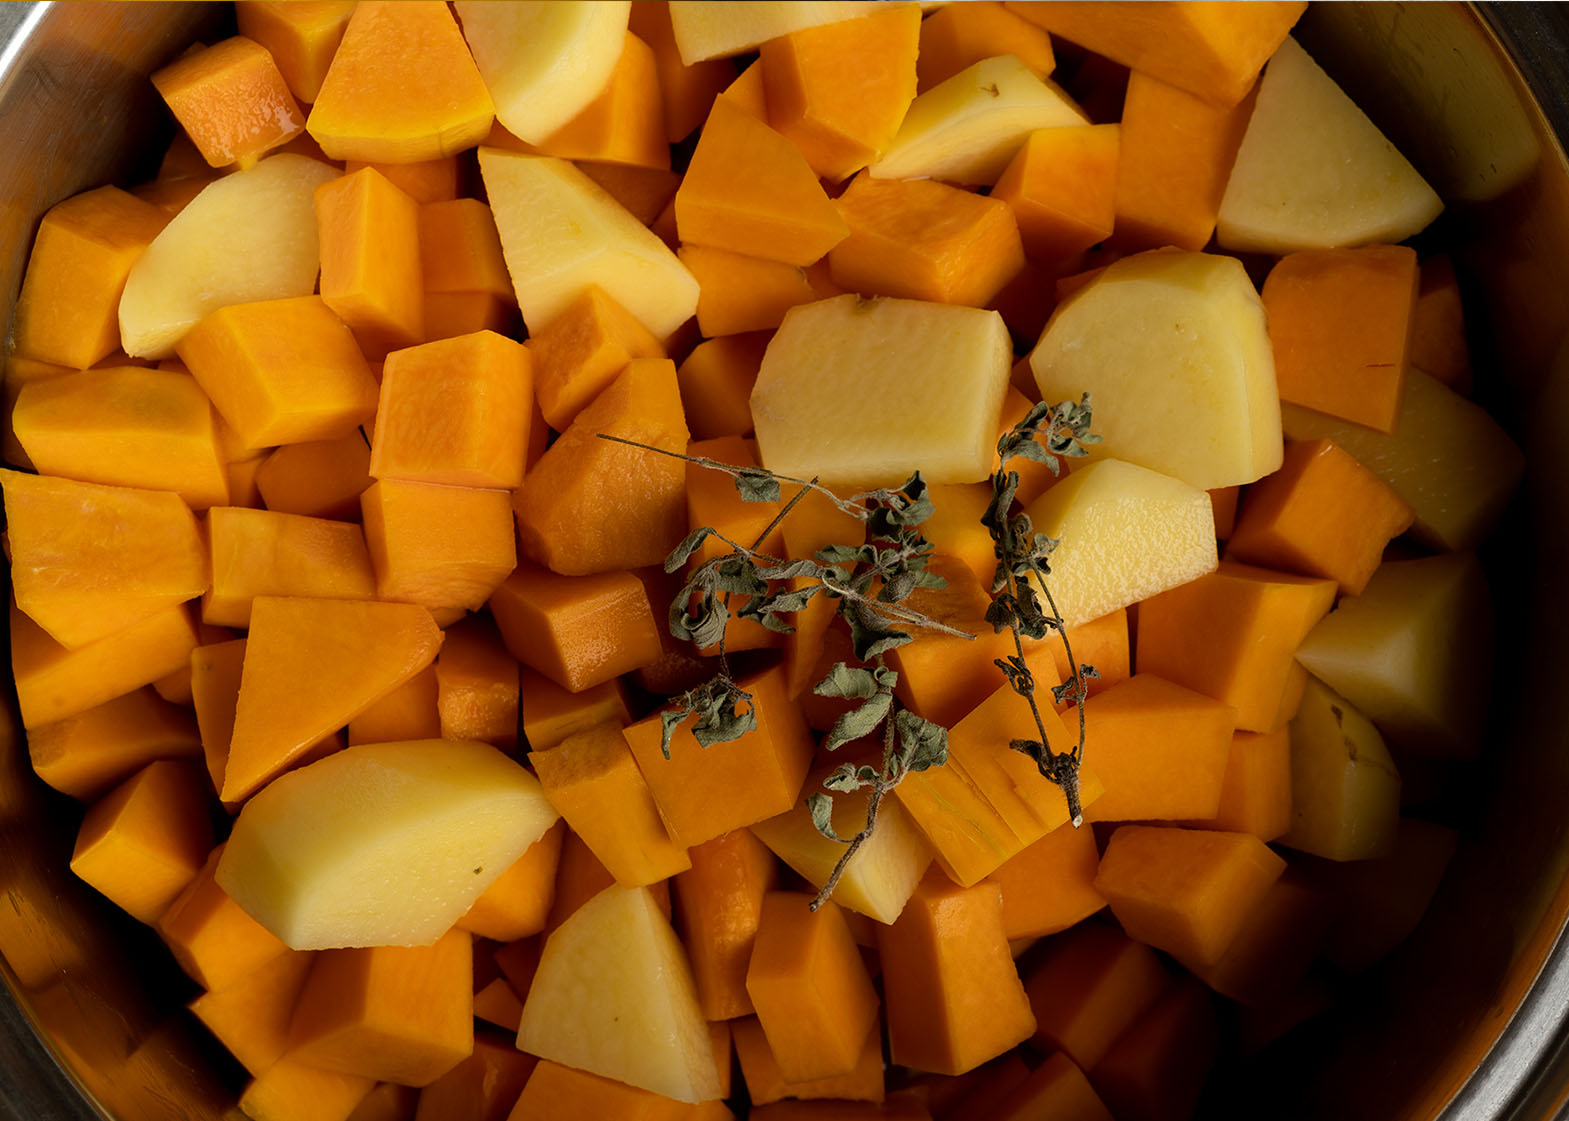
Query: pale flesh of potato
[
  {"x": 614, "y": 995},
  {"x": 864, "y": 392},
  {"x": 966, "y": 129},
  {"x": 1345, "y": 789},
  {"x": 1413, "y": 652},
  {"x": 248, "y": 236},
  {"x": 1452, "y": 462},
  {"x": 383, "y": 844},
  {"x": 543, "y": 61},
  {"x": 1314, "y": 173},
  {"x": 1124, "y": 533},
  {"x": 706, "y": 30},
  {"x": 561, "y": 232},
  {"x": 1174, "y": 351},
  {"x": 884, "y": 872}
]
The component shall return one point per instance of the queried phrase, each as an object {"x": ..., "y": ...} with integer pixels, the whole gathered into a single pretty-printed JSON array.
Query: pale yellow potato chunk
[
  {"x": 966, "y": 129},
  {"x": 383, "y": 844},
  {"x": 1314, "y": 173},
  {"x": 716, "y": 28},
  {"x": 248, "y": 236},
  {"x": 1413, "y": 652},
  {"x": 1124, "y": 533},
  {"x": 614, "y": 995},
  {"x": 543, "y": 61},
  {"x": 1174, "y": 351},
  {"x": 1451, "y": 461},
  {"x": 1345, "y": 790},
  {"x": 881, "y": 876},
  {"x": 864, "y": 392},
  {"x": 561, "y": 232}
]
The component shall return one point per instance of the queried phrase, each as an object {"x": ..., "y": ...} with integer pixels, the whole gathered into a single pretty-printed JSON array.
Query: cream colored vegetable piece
[
  {"x": 543, "y": 61},
  {"x": 937, "y": 372},
  {"x": 248, "y": 236},
  {"x": 707, "y": 29},
  {"x": 614, "y": 995},
  {"x": 1413, "y": 653},
  {"x": 1314, "y": 173},
  {"x": 1345, "y": 789},
  {"x": 966, "y": 129},
  {"x": 1173, "y": 349},
  {"x": 1449, "y": 459},
  {"x": 382, "y": 844},
  {"x": 561, "y": 232},
  {"x": 1125, "y": 533}
]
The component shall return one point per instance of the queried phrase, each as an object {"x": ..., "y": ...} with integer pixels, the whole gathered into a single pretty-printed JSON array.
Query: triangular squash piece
[
  {"x": 89, "y": 560},
  {"x": 1314, "y": 173},
  {"x": 402, "y": 87},
  {"x": 312, "y": 665},
  {"x": 748, "y": 189},
  {"x": 592, "y": 505},
  {"x": 614, "y": 996}
]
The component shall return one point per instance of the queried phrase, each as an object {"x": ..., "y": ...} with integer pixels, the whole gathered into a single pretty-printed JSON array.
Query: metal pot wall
[{"x": 1469, "y": 1020}]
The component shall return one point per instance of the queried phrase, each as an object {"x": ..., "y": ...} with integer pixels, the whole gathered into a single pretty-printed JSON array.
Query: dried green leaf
[
  {"x": 821, "y": 807},
  {"x": 870, "y": 634},
  {"x": 846, "y": 681},
  {"x": 682, "y": 553},
  {"x": 922, "y": 744},
  {"x": 756, "y": 485},
  {"x": 859, "y": 721}
]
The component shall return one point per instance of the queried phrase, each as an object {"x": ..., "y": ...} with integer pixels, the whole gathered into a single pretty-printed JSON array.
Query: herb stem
[{"x": 880, "y": 787}]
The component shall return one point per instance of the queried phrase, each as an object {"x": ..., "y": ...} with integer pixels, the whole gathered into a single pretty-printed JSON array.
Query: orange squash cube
[
  {"x": 739, "y": 293},
  {"x": 446, "y": 548},
  {"x": 716, "y": 382},
  {"x": 292, "y": 1090},
  {"x": 625, "y": 124},
  {"x": 559, "y": 625},
  {"x": 370, "y": 265},
  {"x": 214, "y": 941},
  {"x": 1050, "y": 885},
  {"x": 1092, "y": 984},
  {"x": 409, "y": 712},
  {"x": 766, "y": 1083},
  {"x": 953, "y": 39},
  {"x": 582, "y": 350},
  {"x": 564, "y": 1093},
  {"x": 482, "y": 1085},
  {"x": 232, "y": 101},
  {"x": 301, "y": 37},
  {"x": 518, "y": 903},
  {"x": 719, "y": 900},
  {"x": 550, "y": 713},
  {"x": 1062, "y": 187},
  {"x": 281, "y": 371},
  {"x": 1158, "y": 1068},
  {"x": 1255, "y": 795},
  {"x": 477, "y": 685},
  {"x": 68, "y": 311},
  {"x": 262, "y": 553},
  {"x": 428, "y": 181},
  {"x": 320, "y": 478},
  {"x": 250, "y": 1017},
  {"x": 85, "y": 754}
]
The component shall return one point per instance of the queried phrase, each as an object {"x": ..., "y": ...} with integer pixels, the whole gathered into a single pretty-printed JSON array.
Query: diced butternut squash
[
  {"x": 498, "y": 1003},
  {"x": 1091, "y": 985},
  {"x": 558, "y": 625},
  {"x": 1213, "y": 53},
  {"x": 1185, "y": 891},
  {"x": 251, "y": 1016},
  {"x": 1255, "y": 795},
  {"x": 259, "y": 552},
  {"x": 942, "y": 371},
  {"x": 1322, "y": 514},
  {"x": 572, "y": 518},
  {"x": 483, "y": 1086},
  {"x": 212, "y": 938},
  {"x": 477, "y": 685},
  {"x": 924, "y": 240},
  {"x": 561, "y": 232},
  {"x": 952, "y": 39},
  {"x": 232, "y": 101},
  {"x": 320, "y": 478},
  {"x": 409, "y": 712},
  {"x": 85, "y": 754},
  {"x": 126, "y": 427},
  {"x": 719, "y": 901},
  {"x": 840, "y": 90},
  {"x": 1050, "y": 885},
  {"x": 67, "y": 310},
  {"x": 246, "y": 237},
  {"x": 281, "y": 371},
  {"x": 640, "y": 1023},
  {"x": 1231, "y": 635},
  {"x": 1102, "y": 642},
  {"x": 703, "y": 793},
  {"x": 444, "y": 547},
  {"x": 582, "y": 350},
  {"x": 562, "y": 1093},
  {"x": 1060, "y": 186},
  {"x": 53, "y": 683},
  {"x": 813, "y": 996},
  {"x": 1056, "y": 1088},
  {"x": 766, "y": 1083},
  {"x": 402, "y": 87},
  {"x": 394, "y": 1013},
  {"x": 952, "y": 995},
  {"x": 625, "y": 123},
  {"x": 145, "y": 840},
  {"x": 395, "y": 834},
  {"x": 1271, "y": 953},
  {"x": 71, "y": 570},
  {"x": 686, "y": 92},
  {"x": 593, "y": 781},
  {"x": 966, "y": 128},
  {"x": 643, "y": 191},
  {"x": 301, "y": 37},
  {"x": 739, "y": 293},
  {"x": 748, "y": 189},
  {"x": 1158, "y": 1068},
  {"x": 292, "y": 1090},
  {"x": 517, "y": 904},
  {"x": 312, "y": 665},
  {"x": 550, "y": 713},
  {"x": 1438, "y": 328}
]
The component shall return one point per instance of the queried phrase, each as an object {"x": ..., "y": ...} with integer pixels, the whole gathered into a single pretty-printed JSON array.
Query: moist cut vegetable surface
[{"x": 684, "y": 560}]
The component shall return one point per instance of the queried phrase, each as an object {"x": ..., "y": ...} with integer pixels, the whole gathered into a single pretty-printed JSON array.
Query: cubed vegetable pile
[{"x": 315, "y": 534}]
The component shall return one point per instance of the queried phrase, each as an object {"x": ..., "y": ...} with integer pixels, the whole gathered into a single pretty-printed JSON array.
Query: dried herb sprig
[{"x": 1045, "y": 434}]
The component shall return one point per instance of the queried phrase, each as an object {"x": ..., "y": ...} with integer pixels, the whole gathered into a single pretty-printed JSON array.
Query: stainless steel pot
[{"x": 1470, "y": 1020}]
